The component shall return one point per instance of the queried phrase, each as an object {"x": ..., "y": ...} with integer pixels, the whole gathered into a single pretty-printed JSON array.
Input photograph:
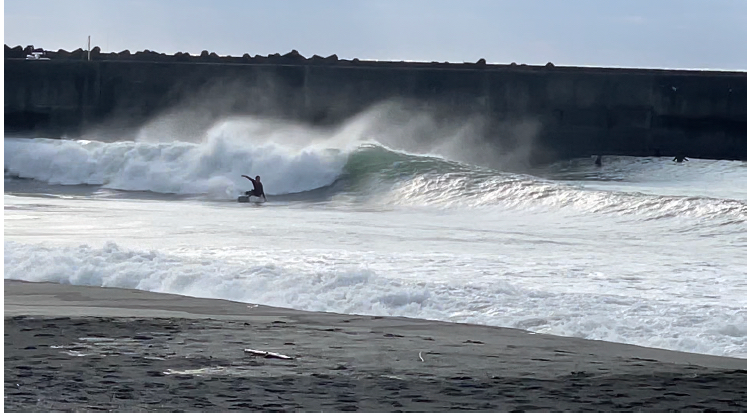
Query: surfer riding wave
[{"x": 257, "y": 190}]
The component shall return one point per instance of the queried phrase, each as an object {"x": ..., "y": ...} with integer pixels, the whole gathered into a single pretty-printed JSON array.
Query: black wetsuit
[{"x": 257, "y": 189}]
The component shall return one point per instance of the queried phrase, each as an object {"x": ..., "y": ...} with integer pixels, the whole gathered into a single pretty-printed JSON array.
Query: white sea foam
[
  {"x": 360, "y": 283},
  {"x": 637, "y": 251},
  {"x": 525, "y": 192},
  {"x": 212, "y": 167}
]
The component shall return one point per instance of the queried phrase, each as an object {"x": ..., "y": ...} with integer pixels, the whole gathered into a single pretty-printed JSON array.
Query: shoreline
[{"x": 65, "y": 344}]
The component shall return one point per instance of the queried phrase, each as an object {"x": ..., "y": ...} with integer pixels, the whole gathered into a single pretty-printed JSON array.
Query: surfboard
[{"x": 249, "y": 199}]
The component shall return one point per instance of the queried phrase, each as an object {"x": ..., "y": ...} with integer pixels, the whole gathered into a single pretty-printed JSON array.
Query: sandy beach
[{"x": 74, "y": 348}]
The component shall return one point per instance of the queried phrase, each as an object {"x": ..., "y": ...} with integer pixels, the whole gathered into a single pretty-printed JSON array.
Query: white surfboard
[{"x": 249, "y": 199}]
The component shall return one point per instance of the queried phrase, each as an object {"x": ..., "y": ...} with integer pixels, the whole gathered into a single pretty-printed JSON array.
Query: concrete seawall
[{"x": 576, "y": 112}]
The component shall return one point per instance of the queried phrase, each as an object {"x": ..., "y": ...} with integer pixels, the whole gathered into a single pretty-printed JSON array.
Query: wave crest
[{"x": 371, "y": 173}]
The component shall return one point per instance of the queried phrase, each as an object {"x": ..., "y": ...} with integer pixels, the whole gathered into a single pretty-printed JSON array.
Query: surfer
[
  {"x": 257, "y": 187},
  {"x": 598, "y": 161}
]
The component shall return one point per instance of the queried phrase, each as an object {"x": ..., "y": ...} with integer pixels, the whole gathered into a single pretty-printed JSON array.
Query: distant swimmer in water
[
  {"x": 257, "y": 187},
  {"x": 598, "y": 161},
  {"x": 680, "y": 158}
]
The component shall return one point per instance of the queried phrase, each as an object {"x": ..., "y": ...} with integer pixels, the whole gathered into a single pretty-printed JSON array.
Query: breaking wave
[{"x": 367, "y": 173}]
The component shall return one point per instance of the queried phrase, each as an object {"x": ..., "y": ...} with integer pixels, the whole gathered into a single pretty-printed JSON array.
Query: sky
[{"x": 693, "y": 34}]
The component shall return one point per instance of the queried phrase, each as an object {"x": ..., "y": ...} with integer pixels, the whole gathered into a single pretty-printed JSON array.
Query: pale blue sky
[{"x": 614, "y": 33}]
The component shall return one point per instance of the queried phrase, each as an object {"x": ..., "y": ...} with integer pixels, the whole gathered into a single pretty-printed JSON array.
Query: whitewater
[{"x": 643, "y": 251}]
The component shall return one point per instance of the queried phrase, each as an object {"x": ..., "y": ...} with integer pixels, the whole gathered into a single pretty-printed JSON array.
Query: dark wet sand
[{"x": 92, "y": 349}]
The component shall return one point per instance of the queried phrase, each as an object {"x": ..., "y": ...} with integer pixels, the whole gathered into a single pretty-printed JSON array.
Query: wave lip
[{"x": 401, "y": 179}]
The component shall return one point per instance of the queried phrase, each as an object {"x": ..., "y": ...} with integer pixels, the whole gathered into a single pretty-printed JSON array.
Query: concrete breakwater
[{"x": 568, "y": 111}]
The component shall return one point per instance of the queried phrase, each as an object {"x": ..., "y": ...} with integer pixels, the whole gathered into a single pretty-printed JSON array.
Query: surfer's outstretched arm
[{"x": 250, "y": 179}]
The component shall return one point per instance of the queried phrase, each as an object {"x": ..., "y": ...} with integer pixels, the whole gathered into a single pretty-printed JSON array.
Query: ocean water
[{"x": 641, "y": 250}]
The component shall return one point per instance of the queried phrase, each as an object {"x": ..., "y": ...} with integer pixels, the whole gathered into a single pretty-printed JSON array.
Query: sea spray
[{"x": 213, "y": 167}]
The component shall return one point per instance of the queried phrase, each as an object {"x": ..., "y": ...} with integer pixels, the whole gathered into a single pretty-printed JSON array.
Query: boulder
[
  {"x": 147, "y": 55},
  {"x": 182, "y": 57},
  {"x": 78, "y": 54},
  {"x": 292, "y": 57},
  {"x": 96, "y": 53},
  {"x": 59, "y": 54},
  {"x": 14, "y": 52}
]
